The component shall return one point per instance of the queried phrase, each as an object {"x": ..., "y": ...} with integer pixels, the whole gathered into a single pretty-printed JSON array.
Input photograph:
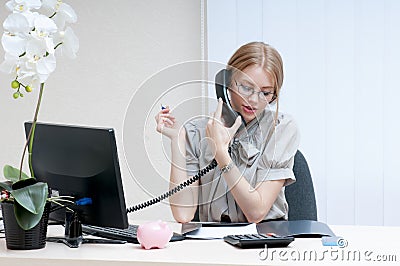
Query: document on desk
[{"x": 218, "y": 232}]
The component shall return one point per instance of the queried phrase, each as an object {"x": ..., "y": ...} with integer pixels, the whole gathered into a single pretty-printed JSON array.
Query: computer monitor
[{"x": 81, "y": 162}]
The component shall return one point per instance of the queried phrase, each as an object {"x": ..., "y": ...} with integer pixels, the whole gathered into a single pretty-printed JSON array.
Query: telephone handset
[{"x": 222, "y": 81}]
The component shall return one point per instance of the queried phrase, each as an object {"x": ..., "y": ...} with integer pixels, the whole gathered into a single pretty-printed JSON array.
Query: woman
[{"x": 248, "y": 183}]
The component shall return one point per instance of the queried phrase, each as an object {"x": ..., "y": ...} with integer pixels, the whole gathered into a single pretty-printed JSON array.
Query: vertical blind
[{"x": 341, "y": 60}]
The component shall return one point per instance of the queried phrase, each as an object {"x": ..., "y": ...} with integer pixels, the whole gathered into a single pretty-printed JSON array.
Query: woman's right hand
[{"x": 166, "y": 123}]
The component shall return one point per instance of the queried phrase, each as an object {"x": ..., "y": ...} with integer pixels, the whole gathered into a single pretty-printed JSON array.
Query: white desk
[{"x": 364, "y": 243}]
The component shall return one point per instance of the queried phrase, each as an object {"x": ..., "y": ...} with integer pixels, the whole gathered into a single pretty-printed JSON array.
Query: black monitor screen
[{"x": 81, "y": 162}]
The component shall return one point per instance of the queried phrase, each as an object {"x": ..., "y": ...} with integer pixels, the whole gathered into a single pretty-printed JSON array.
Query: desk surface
[{"x": 366, "y": 245}]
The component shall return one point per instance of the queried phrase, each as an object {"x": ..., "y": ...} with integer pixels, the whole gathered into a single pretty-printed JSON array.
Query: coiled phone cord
[
  {"x": 168, "y": 194},
  {"x": 179, "y": 187}
]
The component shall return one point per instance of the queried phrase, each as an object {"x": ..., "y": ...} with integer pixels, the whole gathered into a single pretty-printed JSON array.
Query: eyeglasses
[{"x": 248, "y": 91}]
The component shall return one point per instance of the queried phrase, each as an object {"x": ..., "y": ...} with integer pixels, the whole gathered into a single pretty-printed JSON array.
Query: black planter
[{"x": 18, "y": 238}]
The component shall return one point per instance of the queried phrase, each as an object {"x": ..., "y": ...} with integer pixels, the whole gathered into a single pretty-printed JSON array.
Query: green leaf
[
  {"x": 5, "y": 185},
  {"x": 12, "y": 174},
  {"x": 32, "y": 198},
  {"x": 25, "y": 219}
]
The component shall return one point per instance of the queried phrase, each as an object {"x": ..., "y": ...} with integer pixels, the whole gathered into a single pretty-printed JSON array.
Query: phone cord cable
[{"x": 176, "y": 189}]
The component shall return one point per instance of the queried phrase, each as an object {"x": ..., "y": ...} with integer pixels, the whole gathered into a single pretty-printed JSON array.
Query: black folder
[{"x": 300, "y": 228}]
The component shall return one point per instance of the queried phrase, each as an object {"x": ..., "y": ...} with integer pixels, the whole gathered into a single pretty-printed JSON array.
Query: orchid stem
[
  {"x": 58, "y": 45},
  {"x": 53, "y": 15},
  {"x": 31, "y": 135}
]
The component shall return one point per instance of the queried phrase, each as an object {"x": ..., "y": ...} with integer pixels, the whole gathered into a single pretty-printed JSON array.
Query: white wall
[
  {"x": 122, "y": 44},
  {"x": 341, "y": 65}
]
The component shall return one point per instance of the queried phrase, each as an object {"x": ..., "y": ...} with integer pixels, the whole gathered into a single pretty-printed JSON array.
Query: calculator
[{"x": 258, "y": 240}]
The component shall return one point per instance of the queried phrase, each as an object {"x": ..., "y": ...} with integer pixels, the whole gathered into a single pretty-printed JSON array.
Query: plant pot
[{"x": 20, "y": 239}]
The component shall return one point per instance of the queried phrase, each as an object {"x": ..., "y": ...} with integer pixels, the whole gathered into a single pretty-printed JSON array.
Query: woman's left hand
[{"x": 218, "y": 133}]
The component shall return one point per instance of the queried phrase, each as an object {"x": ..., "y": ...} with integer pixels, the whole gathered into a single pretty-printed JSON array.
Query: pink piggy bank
[{"x": 154, "y": 234}]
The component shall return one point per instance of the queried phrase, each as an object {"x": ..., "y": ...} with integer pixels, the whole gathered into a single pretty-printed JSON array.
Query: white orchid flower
[
  {"x": 45, "y": 67},
  {"x": 28, "y": 76},
  {"x": 44, "y": 28},
  {"x": 10, "y": 64},
  {"x": 16, "y": 23},
  {"x": 69, "y": 43},
  {"x": 13, "y": 44},
  {"x": 30, "y": 39},
  {"x": 24, "y": 8},
  {"x": 38, "y": 61},
  {"x": 63, "y": 12},
  {"x": 16, "y": 34},
  {"x": 23, "y": 5},
  {"x": 44, "y": 25},
  {"x": 29, "y": 15},
  {"x": 16, "y": 66},
  {"x": 29, "y": 79}
]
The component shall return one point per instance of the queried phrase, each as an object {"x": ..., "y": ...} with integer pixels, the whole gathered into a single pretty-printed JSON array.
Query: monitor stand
[{"x": 73, "y": 234}]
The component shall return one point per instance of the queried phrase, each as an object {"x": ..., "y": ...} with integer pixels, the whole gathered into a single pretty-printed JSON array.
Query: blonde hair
[{"x": 263, "y": 55}]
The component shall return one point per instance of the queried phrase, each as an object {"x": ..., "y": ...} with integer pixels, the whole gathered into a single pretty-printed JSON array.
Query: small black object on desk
[
  {"x": 258, "y": 240},
  {"x": 73, "y": 233},
  {"x": 298, "y": 228}
]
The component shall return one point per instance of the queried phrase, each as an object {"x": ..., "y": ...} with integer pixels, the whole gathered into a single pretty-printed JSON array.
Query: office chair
[{"x": 300, "y": 196}]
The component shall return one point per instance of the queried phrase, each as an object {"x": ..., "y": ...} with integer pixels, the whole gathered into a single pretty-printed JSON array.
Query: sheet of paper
[{"x": 218, "y": 232}]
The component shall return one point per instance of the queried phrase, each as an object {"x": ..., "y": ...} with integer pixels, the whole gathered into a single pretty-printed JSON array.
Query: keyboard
[
  {"x": 129, "y": 234},
  {"x": 258, "y": 240}
]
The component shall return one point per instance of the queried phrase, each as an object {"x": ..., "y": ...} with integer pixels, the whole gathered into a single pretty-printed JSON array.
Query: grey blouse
[{"x": 260, "y": 152}]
